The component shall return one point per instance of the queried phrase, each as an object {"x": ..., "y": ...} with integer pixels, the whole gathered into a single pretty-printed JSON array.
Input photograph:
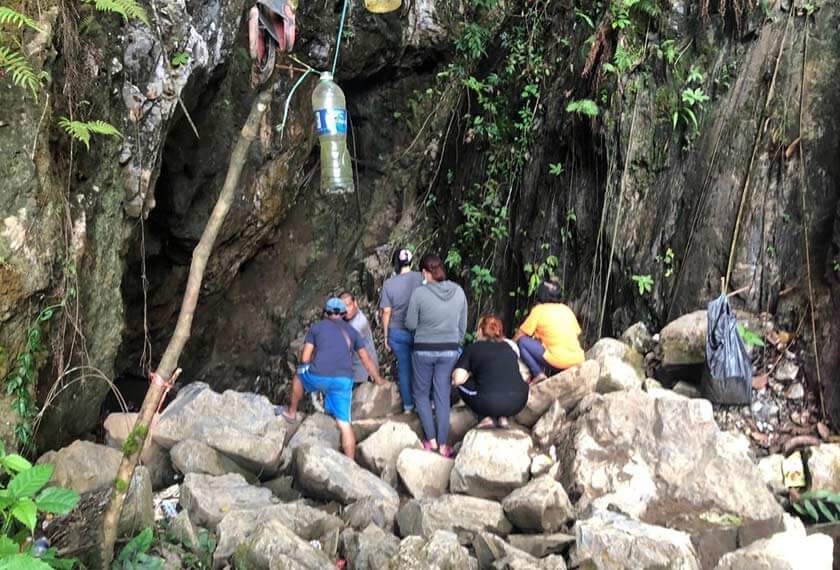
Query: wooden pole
[{"x": 166, "y": 373}]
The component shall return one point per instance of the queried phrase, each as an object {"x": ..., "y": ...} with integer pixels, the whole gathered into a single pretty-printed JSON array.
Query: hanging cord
[
  {"x": 297, "y": 84},
  {"x": 338, "y": 37}
]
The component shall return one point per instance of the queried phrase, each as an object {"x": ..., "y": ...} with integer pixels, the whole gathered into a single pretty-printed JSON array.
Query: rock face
[
  {"x": 493, "y": 552},
  {"x": 441, "y": 550},
  {"x": 791, "y": 550},
  {"x": 622, "y": 368},
  {"x": 638, "y": 338},
  {"x": 541, "y": 505},
  {"x": 824, "y": 467},
  {"x": 771, "y": 472},
  {"x": 371, "y": 549},
  {"x": 568, "y": 388},
  {"x": 453, "y": 513},
  {"x": 661, "y": 458},
  {"x": 317, "y": 429},
  {"x": 548, "y": 427},
  {"x": 609, "y": 541},
  {"x": 208, "y": 499},
  {"x": 237, "y": 526},
  {"x": 424, "y": 474},
  {"x": 273, "y": 545},
  {"x": 240, "y": 425},
  {"x": 492, "y": 463},
  {"x": 329, "y": 475},
  {"x": 373, "y": 401},
  {"x": 683, "y": 340},
  {"x": 154, "y": 457},
  {"x": 88, "y": 467},
  {"x": 382, "y": 448},
  {"x": 191, "y": 456},
  {"x": 370, "y": 511}
]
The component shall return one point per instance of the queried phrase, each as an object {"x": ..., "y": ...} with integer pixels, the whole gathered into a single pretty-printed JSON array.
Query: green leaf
[
  {"x": 799, "y": 509},
  {"x": 825, "y": 510},
  {"x": 23, "y": 562},
  {"x": 27, "y": 483},
  {"x": 57, "y": 500},
  {"x": 812, "y": 512},
  {"x": 140, "y": 544},
  {"x": 15, "y": 463},
  {"x": 126, "y": 8},
  {"x": 26, "y": 512},
  {"x": 180, "y": 58},
  {"x": 7, "y": 546}
]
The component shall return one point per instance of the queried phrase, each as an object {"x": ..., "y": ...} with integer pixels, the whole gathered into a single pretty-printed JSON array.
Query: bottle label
[{"x": 331, "y": 121}]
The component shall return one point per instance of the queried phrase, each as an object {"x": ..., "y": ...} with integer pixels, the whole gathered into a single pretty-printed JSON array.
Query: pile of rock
[{"x": 602, "y": 469}]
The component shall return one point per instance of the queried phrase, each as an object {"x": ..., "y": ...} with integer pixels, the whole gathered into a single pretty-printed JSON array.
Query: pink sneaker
[
  {"x": 446, "y": 451},
  {"x": 427, "y": 445}
]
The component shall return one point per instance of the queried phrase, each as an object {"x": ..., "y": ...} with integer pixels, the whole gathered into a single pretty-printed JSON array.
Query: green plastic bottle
[{"x": 331, "y": 125}]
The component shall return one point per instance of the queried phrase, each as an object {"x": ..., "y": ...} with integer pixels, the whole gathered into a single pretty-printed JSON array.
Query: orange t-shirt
[{"x": 557, "y": 328}]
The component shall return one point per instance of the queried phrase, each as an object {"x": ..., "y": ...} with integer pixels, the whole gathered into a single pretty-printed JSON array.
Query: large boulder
[
  {"x": 209, "y": 498},
  {"x": 824, "y": 467},
  {"x": 541, "y": 505},
  {"x": 242, "y": 426},
  {"x": 317, "y": 429},
  {"x": 541, "y": 545},
  {"x": 363, "y": 429},
  {"x": 370, "y": 511},
  {"x": 568, "y": 388},
  {"x": 622, "y": 368},
  {"x": 638, "y": 338},
  {"x": 441, "y": 551},
  {"x": 492, "y": 463},
  {"x": 154, "y": 457},
  {"x": 790, "y": 550},
  {"x": 192, "y": 456},
  {"x": 661, "y": 458},
  {"x": 610, "y": 541},
  {"x": 273, "y": 546},
  {"x": 683, "y": 340},
  {"x": 772, "y": 473},
  {"x": 461, "y": 421},
  {"x": 549, "y": 426},
  {"x": 453, "y": 513},
  {"x": 423, "y": 473},
  {"x": 382, "y": 449},
  {"x": 370, "y": 549},
  {"x": 237, "y": 526},
  {"x": 493, "y": 552},
  {"x": 375, "y": 401},
  {"x": 88, "y": 467},
  {"x": 327, "y": 474}
]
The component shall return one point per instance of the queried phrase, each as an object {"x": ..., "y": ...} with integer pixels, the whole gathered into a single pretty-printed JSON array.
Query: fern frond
[
  {"x": 13, "y": 18},
  {"x": 128, "y": 9},
  {"x": 81, "y": 131},
  {"x": 23, "y": 75}
]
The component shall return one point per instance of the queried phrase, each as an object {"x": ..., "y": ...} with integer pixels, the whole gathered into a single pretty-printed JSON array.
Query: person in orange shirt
[{"x": 548, "y": 339}]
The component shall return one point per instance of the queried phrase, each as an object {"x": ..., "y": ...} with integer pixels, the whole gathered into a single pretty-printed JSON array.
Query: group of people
[{"x": 424, "y": 320}]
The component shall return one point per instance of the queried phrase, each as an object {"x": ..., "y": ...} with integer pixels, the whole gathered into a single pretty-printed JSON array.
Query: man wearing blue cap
[{"x": 326, "y": 365}]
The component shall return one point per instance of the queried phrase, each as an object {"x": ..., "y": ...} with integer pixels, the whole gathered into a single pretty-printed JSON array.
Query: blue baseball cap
[{"x": 335, "y": 305}]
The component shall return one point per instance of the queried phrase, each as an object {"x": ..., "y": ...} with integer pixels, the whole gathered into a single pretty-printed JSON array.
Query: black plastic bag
[{"x": 728, "y": 375}]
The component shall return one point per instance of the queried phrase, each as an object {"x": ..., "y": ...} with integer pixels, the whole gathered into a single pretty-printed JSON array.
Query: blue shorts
[{"x": 338, "y": 393}]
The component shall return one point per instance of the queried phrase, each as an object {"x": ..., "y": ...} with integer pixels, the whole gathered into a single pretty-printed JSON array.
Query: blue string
[
  {"x": 289, "y": 100},
  {"x": 340, "y": 33}
]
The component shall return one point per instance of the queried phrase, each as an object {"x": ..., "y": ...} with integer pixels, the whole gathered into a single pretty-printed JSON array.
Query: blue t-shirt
[{"x": 335, "y": 342}]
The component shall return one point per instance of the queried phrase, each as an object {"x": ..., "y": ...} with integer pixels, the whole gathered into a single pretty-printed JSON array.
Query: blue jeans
[
  {"x": 401, "y": 342},
  {"x": 432, "y": 379},
  {"x": 532, "y": 353}
]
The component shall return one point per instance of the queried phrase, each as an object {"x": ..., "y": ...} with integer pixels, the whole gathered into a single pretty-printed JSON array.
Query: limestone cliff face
[{"x": 90, "y": 226}]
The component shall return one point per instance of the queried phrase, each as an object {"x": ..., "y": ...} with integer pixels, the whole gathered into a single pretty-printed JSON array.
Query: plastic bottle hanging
[{"x": 330, "y": 109}]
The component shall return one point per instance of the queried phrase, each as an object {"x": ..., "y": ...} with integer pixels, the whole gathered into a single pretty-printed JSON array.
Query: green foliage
[
  {"x": 482, "y": 280},
  {"x": 15, "y": 19},
  {"x": 581, "y": 15},
  {"x": 644, "y": 283},
  {"x": 180, "y": 58},
  {"x": 21, "y": 378},
  {"x": 82, "y": 131},
  {"x": 12, "y": 60},
  {"x": 585, "y": 107},
  {"x": 472, "y": 42},
  {"x": 750, "y": 338},
  {"x": 453, "y": 259},
  {"x": 135, "y": 555},
  {"x": 135, "y": 440},
  {"x": 818, "y": 506},
  {"x": 201, "y": 556},
  {"x": 667, "y": 261},
  {"x": 555, "y": 169},
  {"x": 835, "y": 264},
  {"x": 539, "y": 272},
  {"x": 21, "y": 499},
  {"x": 128, "y": 9}
]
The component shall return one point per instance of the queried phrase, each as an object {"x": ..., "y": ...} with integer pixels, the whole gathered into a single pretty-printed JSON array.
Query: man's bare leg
[
  {"x": 348, "y": 439},
  {"x": 297, "y": 394}
]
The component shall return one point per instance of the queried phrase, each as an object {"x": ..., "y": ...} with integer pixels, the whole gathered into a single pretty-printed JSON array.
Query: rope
[
  {"x": 338, "y": 37},
  {"x": 297, "y": 84}
]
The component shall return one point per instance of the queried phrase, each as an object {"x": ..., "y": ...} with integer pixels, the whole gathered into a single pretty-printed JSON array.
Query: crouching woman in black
[{"x": 487, "y": 375}]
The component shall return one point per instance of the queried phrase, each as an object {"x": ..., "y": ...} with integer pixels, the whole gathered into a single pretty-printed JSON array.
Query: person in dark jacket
[
  {"x": 488, "y": 377},
  {"x": 437, "y": 313}
]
